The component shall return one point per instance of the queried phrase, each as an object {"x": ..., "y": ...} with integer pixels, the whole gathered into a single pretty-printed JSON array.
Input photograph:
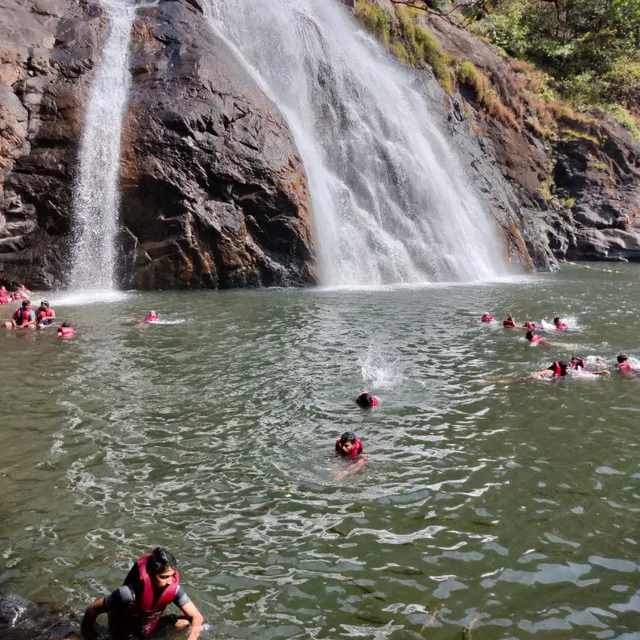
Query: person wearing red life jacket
[
  {"x": 366, "y": 400},
  {"x": 529, "y": 325},
  {"x": 510, "y": 322},
  {"x": 23, "y": 318},
  {"x": 4, "y": 295},
  {"x": 561, "y": 326},
  {"x": 136, "y": 608},
  {"x": 487, "y": 317},
  {"x": 152, "y": 316},
  {"x": 45, "y": 315},
  {"x": 534, "y": 338},
  {"x": 350, "y": 447},
  {"x": 579, "y": 364},
  {"x": 624, "y": 365},
  {"x": 65, "y": 330},
  {"x": 556, "y": 369}
]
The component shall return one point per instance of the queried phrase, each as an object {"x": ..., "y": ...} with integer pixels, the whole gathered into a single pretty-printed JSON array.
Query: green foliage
[
  {"x": 624, "y": 117},
  {"x": 375, "y": 20},
  {"x": 400, "y": 52},
  {"x": 430, "y": 50},
  {"x": 590, "y": 47},
  {"x": 508, "y": 30}
]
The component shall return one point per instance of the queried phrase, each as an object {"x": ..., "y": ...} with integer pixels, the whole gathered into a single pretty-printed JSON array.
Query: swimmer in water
[
  {"x": 559, "y": 325},
  {"x": 65, "y": 330},
  {"x": 557, "y": 369},
  {"x": 349, "y": 446},
  {"x": 487, "y": 317},
  {"x": 579, "y": 364},
  {"x": 624, "y": 365},
  {"x": 366, "y": 400},
  {"x": 136, "y": 608},
  {"x": 529, "y": 325},
  {"x": 510, "y": 322},
  {"x": 152, "y": 316},
  {"x": 46, "y": 315},
  {"x": 23, "y": 318},
  {"x": 534, "y": 338},
  {"x": 4, "y": 295}
]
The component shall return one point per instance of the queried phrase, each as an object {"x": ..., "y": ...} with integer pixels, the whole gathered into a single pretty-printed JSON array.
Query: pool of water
[{"x": 487, "y": 500}]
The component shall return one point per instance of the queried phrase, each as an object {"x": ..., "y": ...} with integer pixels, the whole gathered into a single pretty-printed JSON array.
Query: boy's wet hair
[
  {"x": 26, "y": 303},
  {"x": 160, "y": 561},
  {"x": 66, "y": 324},
  {"x": 622, "y": 357},
  {"x": 365, "y": 399},
  {"x": 563, "y": 365},
  {"x": 348, "y": 436},
  {"x": 529, "y": 335},
  {"x": 557, "y": 319}
]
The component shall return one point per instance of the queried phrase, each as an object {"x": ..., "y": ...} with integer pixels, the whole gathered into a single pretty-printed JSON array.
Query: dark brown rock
[
  {"x": 214, "y": 193},
  {"x": 49, "y": 48}
]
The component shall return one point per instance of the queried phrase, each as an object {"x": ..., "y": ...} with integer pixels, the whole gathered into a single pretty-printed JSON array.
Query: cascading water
[
  {"x": 390, "y": 202},
  {"x": 96, "y": 197}
]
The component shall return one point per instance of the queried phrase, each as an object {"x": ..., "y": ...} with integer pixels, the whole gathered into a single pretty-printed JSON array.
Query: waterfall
[
  {"x": 390, "y": 201},
  {"x": 96, "y": 196}
]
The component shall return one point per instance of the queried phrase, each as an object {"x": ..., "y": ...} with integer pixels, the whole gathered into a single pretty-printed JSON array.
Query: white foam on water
[
  {"x": 79, "y": 298},
  {"x": 377, "y": 372}
]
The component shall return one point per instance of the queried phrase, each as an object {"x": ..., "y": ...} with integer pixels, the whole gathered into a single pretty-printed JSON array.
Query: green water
[{"x": 511, "y": 504}]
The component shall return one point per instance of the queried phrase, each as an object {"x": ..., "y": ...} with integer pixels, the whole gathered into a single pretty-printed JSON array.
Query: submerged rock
[{"x": 23, "y": 620}]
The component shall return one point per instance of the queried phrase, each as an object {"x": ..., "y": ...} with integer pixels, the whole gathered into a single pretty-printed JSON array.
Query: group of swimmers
[
  {"x": 560, "y": 368},
  {"x": 25, "y": 317}
]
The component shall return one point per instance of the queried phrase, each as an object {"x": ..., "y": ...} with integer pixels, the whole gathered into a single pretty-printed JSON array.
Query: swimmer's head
[
  {"x": 152, "y": 313},
  {"x": 44, "y": 304},
  {"x": 557, "y": 319},
  {"x": 348, "y": 441},
  {"x": 564, "y": 367},
  {"x": 529, "y": 335},
  {"x": 365, "y": 400},
  {"x": 66, "y": 324},
  {"x": 25, "y": 303},
  {"x": 622, "y": 357}
]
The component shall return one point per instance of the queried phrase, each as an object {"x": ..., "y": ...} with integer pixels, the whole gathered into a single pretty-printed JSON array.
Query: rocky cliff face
[
  {"x": 214, "y": 194},
  {"x": 576, "y": 189},
  {"x": 48, "y": 49}
]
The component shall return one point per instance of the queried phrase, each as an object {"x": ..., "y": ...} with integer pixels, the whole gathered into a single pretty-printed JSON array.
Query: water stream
[
  {"x": 96, "y": 195},
  {"x": 390, "y": 202}
]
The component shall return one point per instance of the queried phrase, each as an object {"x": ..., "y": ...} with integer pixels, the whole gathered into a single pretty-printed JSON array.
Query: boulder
[{"x": 214, "y": 193}]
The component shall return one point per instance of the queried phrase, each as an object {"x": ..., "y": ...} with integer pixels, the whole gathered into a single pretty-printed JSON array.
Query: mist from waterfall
[
  {"x": 390, "y": 201},
  {"x": 96, "y": 195}
]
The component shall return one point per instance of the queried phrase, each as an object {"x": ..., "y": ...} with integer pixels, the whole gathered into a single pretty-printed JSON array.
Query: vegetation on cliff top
[{"x": 570, "y": 54}]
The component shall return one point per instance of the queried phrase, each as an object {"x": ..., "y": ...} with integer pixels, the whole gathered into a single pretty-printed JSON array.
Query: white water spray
[
  {"x": 390, "y": 202},
  {"x": 96, "y": 198}
]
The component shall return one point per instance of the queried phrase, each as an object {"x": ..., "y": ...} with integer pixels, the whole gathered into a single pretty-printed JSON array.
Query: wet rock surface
[
  {"x": 47, "y": 52},
  {"x": 23, "y": 620},
  {"x": 576, "y": 193},
  {"x": 214, "y": 193}
]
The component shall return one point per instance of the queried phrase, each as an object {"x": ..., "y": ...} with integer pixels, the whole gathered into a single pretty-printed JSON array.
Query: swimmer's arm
[
  {"x": 87, "y": 628},
  {"x": 545, "y": 373},
  {"x": 190, "y": 610},
  {"x": 356, "y": 467}
]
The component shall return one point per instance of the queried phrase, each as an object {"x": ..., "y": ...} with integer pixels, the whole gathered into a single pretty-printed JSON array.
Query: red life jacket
[
  {"x": 354, "y": 453},
  {"x": 151, "y": 318},
  {"x": 563, "y": 326},
  {"x": 47, "y": 313},
  {"x": 487, "y": 318},
  {"x": 66, "y": 331},
  {"x": 556, "y": 368},
  {"x": 508, "y": 323},
  {"x": 529, "y": 325},
  {"x": 579, "y": 364},
  {"x": 3, "y": 298},
  {"x": 21, "y": 315},
  {"x": 144, "y": 614}
]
